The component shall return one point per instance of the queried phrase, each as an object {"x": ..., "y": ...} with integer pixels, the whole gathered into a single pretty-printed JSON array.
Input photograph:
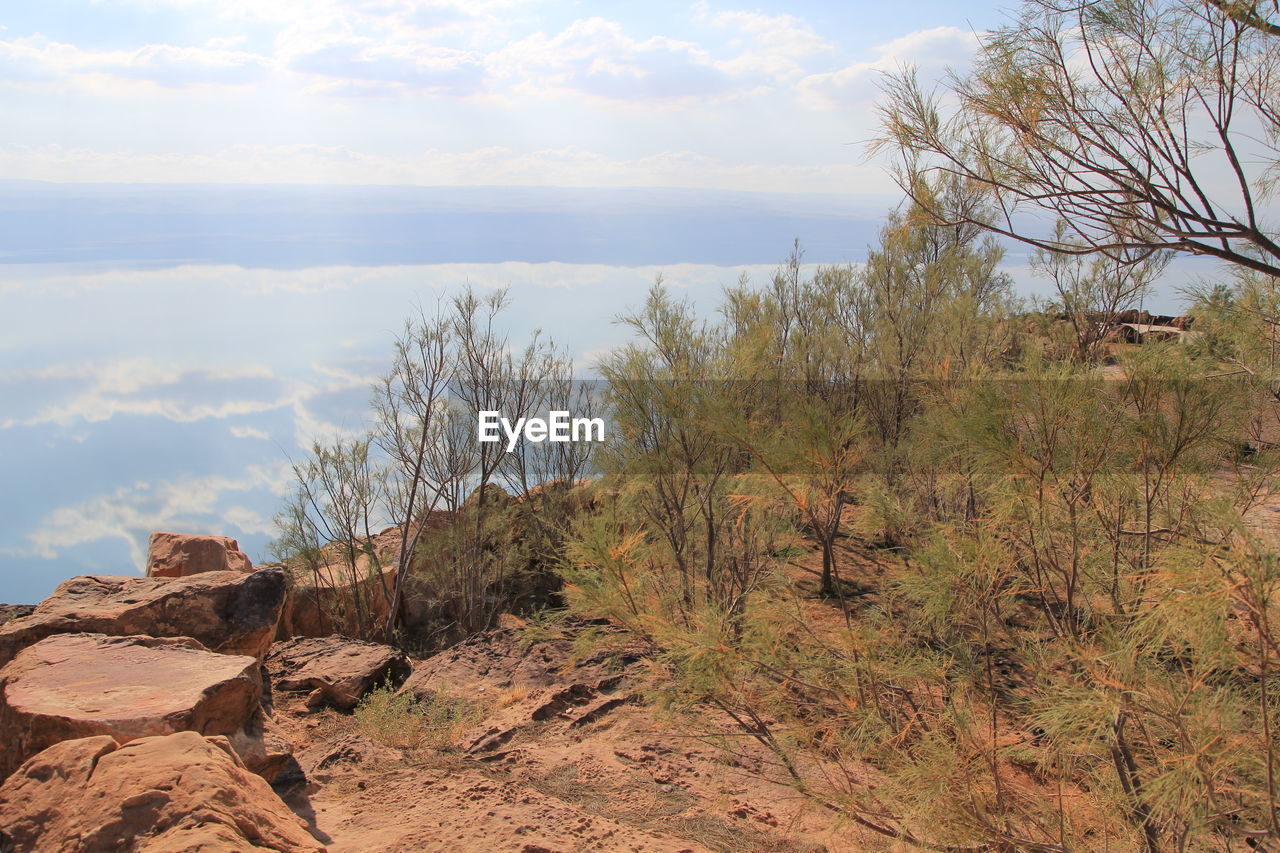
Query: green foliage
[{"x": 1068, "y": 643}]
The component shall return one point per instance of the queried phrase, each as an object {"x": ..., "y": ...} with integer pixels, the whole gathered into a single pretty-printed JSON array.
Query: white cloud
[
  {"x": 343, "y": 59},
  {"x": 226, "y": 42},
  {"x": 440, "y": 48},
  {"x": 310, "y": 280},
  {"x": 130, "y": 376},
  {"x": 131, "y": 513},
  {"x": 250, "y": 432},
  {"x": 246, "y": 520},
  {"x": 594, "y": 57},
  {"x": 167, "y": 65},
  {"x": 931, "y": 50},
  {"x": 491, "y": 165},
  {"x": 389, "y": 44},
  {"x": 35, "y": 59},
  {"x": 185, "y": 394},
  {"x": 255, "y": 280},
  {"x": 420, "y": 13},
  {"x": 778, "y": 44},
  {"x": 391, "y": 48},
  {"x": 145, "y": 387}
]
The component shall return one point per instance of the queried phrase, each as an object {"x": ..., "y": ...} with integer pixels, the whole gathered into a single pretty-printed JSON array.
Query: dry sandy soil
[{"x": 558, "y": 755}]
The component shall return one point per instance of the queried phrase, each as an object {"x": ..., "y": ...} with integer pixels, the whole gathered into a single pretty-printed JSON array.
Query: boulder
[
  {"x": 229, "y": 612},
  {"x": 72, "y": 686},
  {"x": 177, "y": 555},
  {"x": 334, "y": 670},
  {"x": 180, "y": 792},
  {"x": 265, "y": 750}
]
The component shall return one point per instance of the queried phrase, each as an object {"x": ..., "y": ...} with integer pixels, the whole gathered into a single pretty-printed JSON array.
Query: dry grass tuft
[{"x": 403, "y": 721}]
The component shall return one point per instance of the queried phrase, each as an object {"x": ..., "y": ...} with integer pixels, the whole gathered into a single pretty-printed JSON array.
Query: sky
[
  {"x": 770, "y": 97},
  {"x": 215, "y": 215}
]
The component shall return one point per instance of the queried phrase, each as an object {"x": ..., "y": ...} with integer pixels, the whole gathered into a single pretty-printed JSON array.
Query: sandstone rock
[
  {"x": 15, "y": 611},
  {"x": 72, "y": 686},
  {"x": 265, "y": 750},
  {"x": 229, "y": 612},
  {"x": 177, "y": 555},
  {"x": 328, "y": 598},
  {"x": 569, "y": 702},
  {"x": 335, "y": 670},
  {"x": 353, "y": 750},
  {"x": 327, "y": 606},
  {"x": 493, "y": 496},
  {"x": 181, "y": 792},
  {"x": 502, "y": 658}
]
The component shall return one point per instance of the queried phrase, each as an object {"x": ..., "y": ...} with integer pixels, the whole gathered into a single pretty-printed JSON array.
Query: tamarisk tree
[{"x": 1145, "y": 125}]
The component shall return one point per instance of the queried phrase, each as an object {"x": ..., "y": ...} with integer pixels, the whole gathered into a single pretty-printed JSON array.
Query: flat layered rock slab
[
  {"x": 502, "y": 658},
  {"x": 180, "y": 792},
  {"x": 72, "y": 686},
  {"x": 229, "y": 612},
  {"x": 466, "y": 811},
  {"x": 335, "y": 670}
]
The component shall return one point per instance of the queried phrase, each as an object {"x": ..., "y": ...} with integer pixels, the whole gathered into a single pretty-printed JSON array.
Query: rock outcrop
[
  {"x": 9, "y": 612},
  {"x": 178, "y": 555},
  {"x": 569, "y": 707},
  {"x": 334, "y": 670},
  {"x": 181, "y": 792},
  {"x": 71, "y": 686},
  {"x": 502, "y": 657},
  {"x": 329, "y": 598},
  {"x": 330, "y": 603},
  {"x": 229, "y": 612},
  {"x": 267, "y": 751}
]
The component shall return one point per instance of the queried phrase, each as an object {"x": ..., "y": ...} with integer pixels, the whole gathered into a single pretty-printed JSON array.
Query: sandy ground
[{"x": 564, "y": 756}]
